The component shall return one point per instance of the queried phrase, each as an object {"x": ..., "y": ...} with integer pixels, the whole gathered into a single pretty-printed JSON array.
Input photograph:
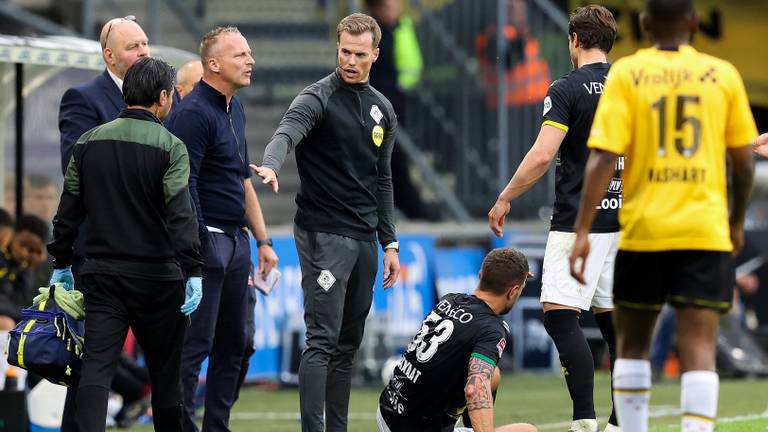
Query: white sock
[
  {"x": 698, "y": 399},
  {"x": 631, "y": 393},
  {"x": 3, "y": 357}
]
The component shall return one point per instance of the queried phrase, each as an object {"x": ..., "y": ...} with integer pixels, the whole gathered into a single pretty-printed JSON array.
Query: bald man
[
  {"x": 91, "y": 104},
  {"x": 98, "y": 101},
  {"x": 187, "y": 76}
]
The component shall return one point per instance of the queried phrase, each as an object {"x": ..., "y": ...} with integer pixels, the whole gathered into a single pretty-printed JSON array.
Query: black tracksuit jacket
[
  {"x": 343, "y": 135},
  {"x": 129, "y": 177}
]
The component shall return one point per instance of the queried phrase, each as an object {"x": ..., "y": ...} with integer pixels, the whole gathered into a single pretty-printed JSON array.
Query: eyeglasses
[{"x": 109, "y": 29}]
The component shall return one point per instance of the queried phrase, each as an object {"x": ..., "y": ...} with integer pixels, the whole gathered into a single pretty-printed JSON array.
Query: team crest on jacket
[{"x": 378, "y": 135}]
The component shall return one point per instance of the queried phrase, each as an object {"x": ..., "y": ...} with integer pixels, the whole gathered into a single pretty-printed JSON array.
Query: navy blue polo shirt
[{"x": 214, "y": 134}]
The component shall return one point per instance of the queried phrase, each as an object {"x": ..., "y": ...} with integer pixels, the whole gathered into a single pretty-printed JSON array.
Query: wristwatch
[
  {"x": 266, "y": 242},
  {"x": 393, "y": 245}
]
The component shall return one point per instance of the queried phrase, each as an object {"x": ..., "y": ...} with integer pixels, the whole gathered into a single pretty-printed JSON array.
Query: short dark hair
[
  {"x": 34, "y": 225},
  {"x": 595, "y": 27},
  {"x": 6, "y": 220},
  {"x": 146, "y": 79},
  {"x": 669, "y": 10},
  {"x": 501, "y": 269}
]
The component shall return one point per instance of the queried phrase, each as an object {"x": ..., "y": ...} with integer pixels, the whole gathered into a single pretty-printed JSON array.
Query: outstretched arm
[
  {"x": 534, "y": 165},
  {"x": 303, "y": 114},
  {"x": 760, "y": 146}
]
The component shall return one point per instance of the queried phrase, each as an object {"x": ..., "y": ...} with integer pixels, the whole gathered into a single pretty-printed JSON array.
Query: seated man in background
[
  {"x": 25, "y": 251},
  {"x": 450, "y": 365}
]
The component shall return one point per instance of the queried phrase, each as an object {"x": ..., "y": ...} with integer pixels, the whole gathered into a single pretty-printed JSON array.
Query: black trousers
[
  {"x": 151, "y": 309},
  {"x": 217, "y": 331},
  {"x": 337, "y": 276},
  {"x": 129, "y": 381}
]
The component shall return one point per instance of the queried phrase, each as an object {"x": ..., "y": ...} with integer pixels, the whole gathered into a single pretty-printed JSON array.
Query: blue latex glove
[
  {"x": 194, "y": 293},
  {"x": 64, "y": 277}
]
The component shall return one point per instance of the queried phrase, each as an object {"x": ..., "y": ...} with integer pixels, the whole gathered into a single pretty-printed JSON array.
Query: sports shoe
[
  {"x": 611, "y": 428},
  {"x": 584, "y": 425}
]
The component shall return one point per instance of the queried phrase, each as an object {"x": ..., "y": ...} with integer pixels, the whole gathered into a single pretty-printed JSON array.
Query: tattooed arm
[{"x": 478, "y": 394}]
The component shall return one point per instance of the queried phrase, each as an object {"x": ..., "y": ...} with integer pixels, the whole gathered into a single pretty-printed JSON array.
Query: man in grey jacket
[{"x": 343, "y": 131}]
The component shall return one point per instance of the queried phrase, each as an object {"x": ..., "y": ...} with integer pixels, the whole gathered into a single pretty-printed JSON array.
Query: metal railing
[{"x": 475, "y": 127}]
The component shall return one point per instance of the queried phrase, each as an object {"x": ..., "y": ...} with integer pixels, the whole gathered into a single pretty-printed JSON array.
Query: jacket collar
[
  {"x": 113, "y": 93},
  {"x": 139, "y": 114},
  {"x": 212, "y": 95},
  {"x": 355, "y": 87}
]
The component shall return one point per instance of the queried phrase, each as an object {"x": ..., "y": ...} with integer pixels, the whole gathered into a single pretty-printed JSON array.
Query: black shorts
[{"x": 647, "y": 280}]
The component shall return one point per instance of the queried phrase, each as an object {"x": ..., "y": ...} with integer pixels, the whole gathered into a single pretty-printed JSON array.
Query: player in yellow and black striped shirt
[{"x": 674, "y": 113}]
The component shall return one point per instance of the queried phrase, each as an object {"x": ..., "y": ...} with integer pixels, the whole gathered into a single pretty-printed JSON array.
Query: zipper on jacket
[
  {"x": 360, "y": 102},
  {"x": 234, "y": 134}
]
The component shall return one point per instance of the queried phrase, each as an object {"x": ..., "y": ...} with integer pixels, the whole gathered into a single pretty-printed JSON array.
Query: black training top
[
  {"x": 343, "y": 135},
  {"x": 214, "y": 133},
  {"x": 426, "y": 392},
  {"x": 570, "y": 105},
  {"x": 129, "y": 177}
]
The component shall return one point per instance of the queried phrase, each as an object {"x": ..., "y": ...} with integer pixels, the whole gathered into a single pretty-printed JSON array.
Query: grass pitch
[{"x": 539, "y": 399}]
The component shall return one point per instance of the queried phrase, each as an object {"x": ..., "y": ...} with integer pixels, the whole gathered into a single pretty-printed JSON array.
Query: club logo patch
[
  {"x": 326, "y": 279},
  {"x": 378, "y": 135},
  {"x": 501, "y": 345},
  {"x": 547, "y": 105},
  {"x": 376, "y": 114}
]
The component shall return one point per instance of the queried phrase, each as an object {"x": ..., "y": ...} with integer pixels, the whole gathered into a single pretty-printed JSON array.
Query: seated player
[{"x": 450, "y": 364}]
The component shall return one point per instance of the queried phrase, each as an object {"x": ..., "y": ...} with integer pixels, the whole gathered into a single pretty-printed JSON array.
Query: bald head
[
  {"x": 123, "y": 41},
  {"x": 187, "y": 76}
]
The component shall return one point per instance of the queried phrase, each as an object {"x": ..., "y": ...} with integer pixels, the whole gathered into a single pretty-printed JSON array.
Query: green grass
[{"x": 538, "y": 399}]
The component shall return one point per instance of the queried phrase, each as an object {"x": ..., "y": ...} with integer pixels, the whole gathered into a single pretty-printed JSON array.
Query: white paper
[{"x": 265, "y": 285}]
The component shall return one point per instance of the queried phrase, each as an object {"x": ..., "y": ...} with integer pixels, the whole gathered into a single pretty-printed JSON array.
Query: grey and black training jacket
[
  {"x": 129, "y": 178},
  {"x": 343, "y": 135}
]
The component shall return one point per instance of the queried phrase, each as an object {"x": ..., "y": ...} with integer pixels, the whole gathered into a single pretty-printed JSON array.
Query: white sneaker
[
  {"x": 611, "y": 428},
  {"x": 584, "y": 425}
]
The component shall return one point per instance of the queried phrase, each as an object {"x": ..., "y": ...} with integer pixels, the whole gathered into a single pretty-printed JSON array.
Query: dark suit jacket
[{"x": 82, "y": 108}]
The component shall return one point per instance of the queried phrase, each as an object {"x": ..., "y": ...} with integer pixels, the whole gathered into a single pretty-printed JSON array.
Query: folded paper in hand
[{"x": 265, "y": 285}]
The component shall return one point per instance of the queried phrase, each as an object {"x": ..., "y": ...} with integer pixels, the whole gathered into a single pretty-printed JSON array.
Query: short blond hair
[
  {"x": 357, "y": 24},
  {"x": 209, "y": 41}
]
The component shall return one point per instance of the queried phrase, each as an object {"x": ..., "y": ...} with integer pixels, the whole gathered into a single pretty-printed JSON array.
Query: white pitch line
[
  {"x": 287, "y": 415},
  {"x": 655, "y": 411},
  {"x": 658, "y": 411}
]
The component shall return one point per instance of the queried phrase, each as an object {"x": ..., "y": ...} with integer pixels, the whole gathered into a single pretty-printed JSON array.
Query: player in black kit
[
  {"x": 568, "y": 111},
  {"x": 449, "y": 365}
]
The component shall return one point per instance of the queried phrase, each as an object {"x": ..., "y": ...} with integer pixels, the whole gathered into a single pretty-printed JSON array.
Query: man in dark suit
[
  {"x": 100, "y": 100},
  {"x": 92, "y": 104}
]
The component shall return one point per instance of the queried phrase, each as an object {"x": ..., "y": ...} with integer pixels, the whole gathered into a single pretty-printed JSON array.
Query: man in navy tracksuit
[
  {"x": 343, "y": 131},
  {"x": 211, "y": 122}
]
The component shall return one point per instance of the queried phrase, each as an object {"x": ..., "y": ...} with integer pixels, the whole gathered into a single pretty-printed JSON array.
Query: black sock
[
  {"x": 576, "y": 359},
  {"x": 605, "y": 322},
  {"x": 465, "y": 415}
]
